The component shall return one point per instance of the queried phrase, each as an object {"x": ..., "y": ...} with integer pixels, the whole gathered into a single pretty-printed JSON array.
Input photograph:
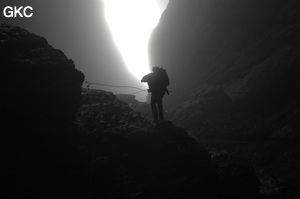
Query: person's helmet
[{"x": 155, "y": 68}]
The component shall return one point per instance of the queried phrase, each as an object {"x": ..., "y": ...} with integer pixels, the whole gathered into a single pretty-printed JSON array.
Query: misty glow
[{"x": 131, "y": 23}]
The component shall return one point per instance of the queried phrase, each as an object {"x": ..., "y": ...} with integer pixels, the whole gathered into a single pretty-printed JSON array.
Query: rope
[
  {"x": 136, "y": 92},
  {"x": 115, "y": 86}
]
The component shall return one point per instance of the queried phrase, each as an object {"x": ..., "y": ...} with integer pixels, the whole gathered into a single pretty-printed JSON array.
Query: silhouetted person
[{"x": 157, "y": 82}]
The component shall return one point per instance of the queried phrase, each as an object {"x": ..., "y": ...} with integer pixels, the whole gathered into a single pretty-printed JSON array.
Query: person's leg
[
  {"x": 160, "y": 111},
  {"x": 154, "y": 112},
  {"x": 160, "y": 106},
  {"x": 153, "y": 106}
]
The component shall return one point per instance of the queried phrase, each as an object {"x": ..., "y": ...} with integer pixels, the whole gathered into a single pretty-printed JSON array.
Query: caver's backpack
[
  {"x": 157, "y": 81},
  {"x": 163, "y": 78}
]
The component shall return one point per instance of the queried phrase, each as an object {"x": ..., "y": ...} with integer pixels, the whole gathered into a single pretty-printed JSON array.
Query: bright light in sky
[{"x": 131, "y": 23}]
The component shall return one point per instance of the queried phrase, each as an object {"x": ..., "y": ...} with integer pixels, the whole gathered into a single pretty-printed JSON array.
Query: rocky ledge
[{"x": 133, "y": 158}]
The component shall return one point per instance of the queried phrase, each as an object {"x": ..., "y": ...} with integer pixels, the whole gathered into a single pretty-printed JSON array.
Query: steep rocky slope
[
  {"x": 230, "y": 54},
  {"x": 132, "y": 158},
  {"x": 234, "y": 70}
]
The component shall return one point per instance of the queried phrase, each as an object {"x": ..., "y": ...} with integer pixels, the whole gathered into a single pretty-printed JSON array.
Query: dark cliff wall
[
  {"x": 234, "y": 71},
  {"x": 245, "y": 48},
  {"x": 229, "y": 55},
  {"x": 40, "y": 85},
  {"x": 40, "y": 95}
]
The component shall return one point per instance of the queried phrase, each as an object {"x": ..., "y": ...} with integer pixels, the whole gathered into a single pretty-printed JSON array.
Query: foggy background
[{"x": 79, "y": 29}]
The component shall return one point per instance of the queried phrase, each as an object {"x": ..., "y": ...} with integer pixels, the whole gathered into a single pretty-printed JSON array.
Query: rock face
[
  {"x": 229, "y": 56},
  {"x": 132, "y": 158},
  {"x": 40, "y": 94},
  {"x": 40, "y": 85},
  {"x": 142, "y": 107},
  {"x": 234, "y": 72}
]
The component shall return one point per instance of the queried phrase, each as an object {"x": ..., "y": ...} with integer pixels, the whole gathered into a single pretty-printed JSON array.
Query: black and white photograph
[{"x": 150, "y": 99}]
